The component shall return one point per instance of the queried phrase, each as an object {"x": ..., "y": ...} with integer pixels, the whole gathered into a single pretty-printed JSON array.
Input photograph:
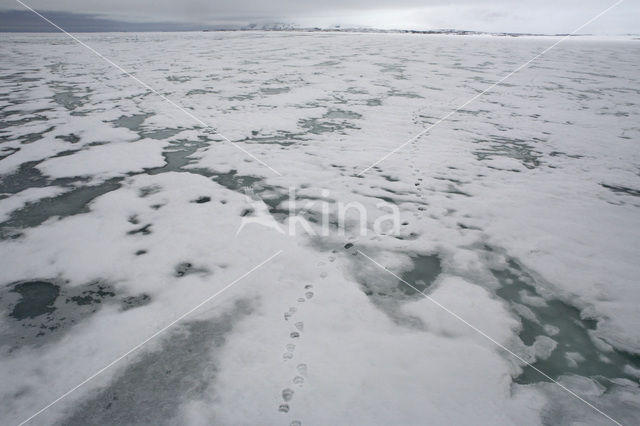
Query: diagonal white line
[
  {"x": 144, "y": 342},
  {"x": 146, "y": 86},
  {"x": 500, "y": 345},
  {"x": 491, "y": 87}
]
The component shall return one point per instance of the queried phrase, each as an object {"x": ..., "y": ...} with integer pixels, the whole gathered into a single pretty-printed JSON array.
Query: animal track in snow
[
  {"x": 292, "y": 310},
  {"x": 289, "y": 353},
  {"x": 287, "y": 394},
  {"x": 302, "y": 369},
  {"x": 299, "y": 378}
]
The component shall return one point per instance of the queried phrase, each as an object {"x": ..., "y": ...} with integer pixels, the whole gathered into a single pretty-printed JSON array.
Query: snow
[
  {"x": 17, "y": 201},
  {"x": 524, "y": 199},
  {"x": 106, "y": 161}
]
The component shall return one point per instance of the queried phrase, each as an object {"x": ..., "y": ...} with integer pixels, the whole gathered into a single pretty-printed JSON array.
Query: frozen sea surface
[{"x": 119, "y": 213}]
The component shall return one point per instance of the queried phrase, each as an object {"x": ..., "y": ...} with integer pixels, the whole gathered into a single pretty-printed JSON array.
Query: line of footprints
[{"x": 301, "y": 369}]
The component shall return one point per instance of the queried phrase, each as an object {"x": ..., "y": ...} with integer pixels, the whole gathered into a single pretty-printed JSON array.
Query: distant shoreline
[
  {"x": 630, "y": 37},
  {"x": 324, "y": 30}
]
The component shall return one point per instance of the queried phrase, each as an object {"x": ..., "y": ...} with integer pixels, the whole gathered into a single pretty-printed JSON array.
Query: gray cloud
[{"x": 541, "y": 16}]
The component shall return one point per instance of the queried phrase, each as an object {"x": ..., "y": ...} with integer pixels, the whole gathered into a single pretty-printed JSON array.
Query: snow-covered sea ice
[{"x": 119, "y": 213}]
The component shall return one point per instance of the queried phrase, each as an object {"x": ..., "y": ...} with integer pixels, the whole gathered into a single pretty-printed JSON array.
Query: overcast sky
[{"x": 531, "y": 16}]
